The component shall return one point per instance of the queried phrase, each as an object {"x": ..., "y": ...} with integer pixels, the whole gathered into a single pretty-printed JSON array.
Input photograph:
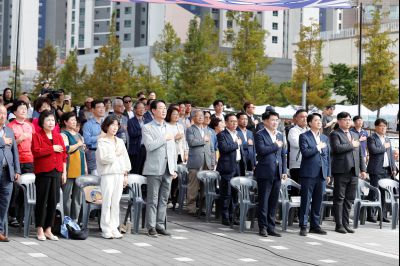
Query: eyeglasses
[
  {"x": 346, "y": 119},
  {"x": 128, "y": 101}
]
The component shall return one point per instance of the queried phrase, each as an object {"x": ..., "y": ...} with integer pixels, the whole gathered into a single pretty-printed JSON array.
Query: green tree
[
  {"x": 200, "y": 64},
  {"x": 11, "y": 81},
  {"x": 72, "y": 79},
  {"x": 344, "y": 81},
  {"x": 247, "y": 80},
  {"x": 167, "y": 53},
  {"x": 379, "y": 67},
  {"x": 309, "y": 69},
  {"x": 143, "y": 80},
  {"x": 47, "y": 66},
  {"x": 109, "y": 78}
]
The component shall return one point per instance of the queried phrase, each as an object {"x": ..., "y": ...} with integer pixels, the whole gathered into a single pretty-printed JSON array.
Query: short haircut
[
  {"x": 299, "y": 112},
  {"x": 139, "y": 93},
  {"x": 310, "y": 117},
  {"x": 153, "y": 105},
  {"x": 267, "y": 115},
  {"x": 194, "y": 112},
  {"x": 343, "y": 115},
  {"x": 238, "y": 115},
  {"x": 187, "y": 102},
  {"x": 67, "y": 116},
  {"x": 216, "y": 102},
  {"x": 40, "y": 102},
  {"x": 117, "y": 101},
  {"x": 108, "y": 121},
  {"x": 43, "y": 116},
  {"x": 214, "y": 122},
  {"x": 169, "y": 113},
  {"x": 126, "y": 96},
  {"x": 246, "y": 105},
  {"x": 357, "y": 117},
  {"x": 106, "y": 100},
  {"x": 142, "y": 99},
  {"x": 229, "y": 116},
  {"x": 206, "y": 112},
  {"x": 380, "y": 121},
  {"x": 330, "y": 107},
  {"x": 136, "y": 105},
  {"x": 95, "y": 102},
  {"x": 17, "y": 104}
]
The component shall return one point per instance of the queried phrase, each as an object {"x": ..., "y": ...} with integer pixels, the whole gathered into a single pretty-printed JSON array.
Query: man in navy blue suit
[
  {"x": 248, "y": 161},
  {"x": 137, "y": 151},
  {"x": 315, "y": 172},
  {"x": 270, "y": 169},
  {"x": 229, "y": 146}
]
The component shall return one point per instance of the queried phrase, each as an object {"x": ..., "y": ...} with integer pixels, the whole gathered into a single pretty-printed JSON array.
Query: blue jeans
[
  {"x": 6, "y": 187},
  {"x": 91, "y": 160}
]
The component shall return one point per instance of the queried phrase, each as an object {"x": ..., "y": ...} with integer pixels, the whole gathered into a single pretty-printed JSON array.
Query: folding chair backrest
[
  {"x": 285, "y": 187},
  {"x": 182, "y": 173},
  {"x": 362, "y": 185},
  {"x": 28, "y": 180},
  {"x": 243, "y": 185},
  {"x": 210, "y": 179},
  {"x": 135, "y": 183},
  {"x": 87, "y": 180},
  {"x": 389, "y": 185}
]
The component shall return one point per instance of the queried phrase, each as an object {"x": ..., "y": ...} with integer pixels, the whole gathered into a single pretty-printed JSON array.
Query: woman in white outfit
[{"x": 113, "y": 166}]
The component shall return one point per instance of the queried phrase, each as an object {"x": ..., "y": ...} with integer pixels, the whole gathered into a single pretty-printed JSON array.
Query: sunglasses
[{"x": 127, "y": 101}]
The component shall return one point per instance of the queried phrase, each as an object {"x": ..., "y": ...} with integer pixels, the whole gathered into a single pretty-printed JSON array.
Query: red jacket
[{"x": 46, "y": 159}]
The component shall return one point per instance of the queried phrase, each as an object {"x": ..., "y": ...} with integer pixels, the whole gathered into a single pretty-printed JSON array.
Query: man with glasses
[
  {"x": 249, "y": 108},
  {"x": 230, "y": 150},
  {"x": 347, "y": 166},
  {"x": 128, "y": 106}
]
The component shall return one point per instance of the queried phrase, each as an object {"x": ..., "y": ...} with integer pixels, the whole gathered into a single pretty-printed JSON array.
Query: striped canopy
[{"x": 253, "y": 5}]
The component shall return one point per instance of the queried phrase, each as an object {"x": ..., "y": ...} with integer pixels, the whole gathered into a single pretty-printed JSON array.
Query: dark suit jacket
[
  {"x": 10, "y": 153},
  {"x": 344, "y": 155},
  {"x": 248, "y": 150},
  {"x": 227, "y": 154},
  {"x": 376, "y": 155},
  {"x": 135, "y": 134},
  {"x": 148, "y": 116},
  {"x": 312, "y": 160},
  {"x": 269, "y": 156},
  {"x": 251, "y": 126}
]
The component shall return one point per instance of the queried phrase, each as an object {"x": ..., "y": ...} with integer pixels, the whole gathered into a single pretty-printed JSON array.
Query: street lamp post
[
  {"x": 17, "y": 50},
  {"x": 360, "y": 58}
]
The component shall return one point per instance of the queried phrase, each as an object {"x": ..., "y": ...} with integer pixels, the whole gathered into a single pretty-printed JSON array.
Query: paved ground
[{"x": 198, "y": 243}]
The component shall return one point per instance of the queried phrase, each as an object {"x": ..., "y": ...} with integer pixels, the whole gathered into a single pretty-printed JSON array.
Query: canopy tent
[
  {"x": 253, "y": 5},
  {"x": 353, "y": 110}
]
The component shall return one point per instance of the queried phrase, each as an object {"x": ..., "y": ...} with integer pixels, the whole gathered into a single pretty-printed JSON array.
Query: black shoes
[
  {"x": 371, "y": 220},
  {"x": 152, "y": 232},
  {"x": 263, "y": 233},
  {"x": 340, "y": 230},
  {"x": 317, "y": 231},
  {"x": 385, "y": 220},
  {"x": 162, "y": 232},
  {"x": 348, "y": 229},
  {"x": 303, "y": 231},
  {"x": 275, "y": 234}
]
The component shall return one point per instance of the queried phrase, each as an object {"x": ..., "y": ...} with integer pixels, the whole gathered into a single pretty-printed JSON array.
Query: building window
[
  {"x": 274, "y": 39},
  {"x": 118, "y": 14},
  {"x": 72, "y": 41},
  {"x": 229, "y": 24},
  {"x": 275, "y": 13},
  {"x": 128, "y": 10},
  {"x": 143, "y": 9},
  {"x": 143, "y": 22},
  {"x": 214, "y": 11},
  {"x": 340, "y": 16},
  {"x": 81, "y": 37},
  {"x": 81, "y": 24},
  {"x": 274, "y": 26},
  {"x": 73, "y": 15},
  {"x": 142, "y": 36},
  {"x": 117, "y": 26},
  {"x": 127, "y": 37},
  {"x": 394, "y": 12},
  {"x": 82, "y": 10},
  {"x": 127, "y": 23}
]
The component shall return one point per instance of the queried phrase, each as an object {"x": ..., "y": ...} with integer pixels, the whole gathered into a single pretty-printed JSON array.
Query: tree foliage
[
  {"x": 344, "y": 81},
  {"x": 309, "y": 69},
  {"x": 47, "y": 66},
  {"x": 246, "y": 79},
  {"x": 379, "y": 67}
]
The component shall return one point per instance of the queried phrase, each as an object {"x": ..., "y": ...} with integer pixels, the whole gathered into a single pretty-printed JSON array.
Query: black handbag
[{"x": 77, "y": 234}]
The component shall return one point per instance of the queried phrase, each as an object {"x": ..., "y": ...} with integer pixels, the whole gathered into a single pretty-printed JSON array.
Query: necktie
[{"x": 349, "y": 136}]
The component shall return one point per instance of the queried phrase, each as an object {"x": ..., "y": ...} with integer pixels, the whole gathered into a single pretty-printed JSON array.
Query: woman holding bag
[{"x": 113, "y": 165}]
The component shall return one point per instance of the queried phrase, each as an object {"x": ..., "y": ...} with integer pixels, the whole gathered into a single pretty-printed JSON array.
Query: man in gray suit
[
  {"x": 200, "y": 156},
  {"x": 9, "y": 169},
  {"x": 160, "y": 167}
]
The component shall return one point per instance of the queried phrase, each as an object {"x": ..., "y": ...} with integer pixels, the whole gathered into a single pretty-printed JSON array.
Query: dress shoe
[
  {"x": 340, "y": 230},
  {"x": 226, "y": 222},
  {"x": 235, "y": 222},
  {"x": 152, "y": 232},
  {"x": 275, "y": 234},
  {"x": 163, "y": 232},
  {"x": 262, "y": 233},
  {"x": 348, "y": 229},
  {"x": 41, "y": 237},
  {"x": 371, "y": 220},
  {"x": 303, "y": 231},
  {"x": 317, "y": 231},
  {"x": 385, "y": 220},
  {"x": 3, "y": 238},
  {"x": 51, "y": 237}
]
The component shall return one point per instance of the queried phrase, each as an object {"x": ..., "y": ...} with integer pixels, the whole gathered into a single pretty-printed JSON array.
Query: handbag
[{"x": 68, "y": 222}]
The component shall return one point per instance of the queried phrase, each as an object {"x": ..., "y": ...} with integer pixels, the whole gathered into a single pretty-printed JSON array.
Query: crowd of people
[{"x": 111, "y": 138}]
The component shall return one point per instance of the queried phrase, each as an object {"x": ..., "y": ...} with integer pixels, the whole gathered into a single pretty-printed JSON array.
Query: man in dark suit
[
  {"x": 381, "y": 163},
  {"x": 249, "y": 108},
  {"x": 347, "y": 165},
  {"x": 315, "y": 172},
  {"x": 248, "y": 161},
  {"x": 271, "y": 168},
  {"x": 148, "y": 115},
  {"x": 137, "y": 151},
  {"x": 9, "y": 169},
  {"x": 229, "y": 146}
]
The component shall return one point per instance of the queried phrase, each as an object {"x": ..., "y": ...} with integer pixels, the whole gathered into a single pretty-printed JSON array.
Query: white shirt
[
  {"x": 131, "y": 114},
  {"x": 235, "y": 138},
  {"x": 272, "y": 135},
  {"x": 293, "y": 139},
  {"x": 385, "y": 157},
  {"x": 201, "y": 130},
  {"x": 244, "y": 131},
  {"x": 317, "y": 138}
]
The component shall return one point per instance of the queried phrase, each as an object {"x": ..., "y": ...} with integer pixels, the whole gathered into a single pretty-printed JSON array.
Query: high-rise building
[{"x": 5, "y": 32}]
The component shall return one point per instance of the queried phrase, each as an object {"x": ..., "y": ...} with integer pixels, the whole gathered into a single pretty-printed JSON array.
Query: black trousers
[
  {"x": 228, "y": 195},
  {"x": 295, "y": 175},
  {"x": 344, "y": 193},
  {"x": 47, "y": 197},
  {"x": 372, "y": 196},
  {"x": 137, "y": 161}
]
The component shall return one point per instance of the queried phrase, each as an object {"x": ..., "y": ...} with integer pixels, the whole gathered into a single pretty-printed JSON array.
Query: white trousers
[{"x": 111, "y": 189}]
